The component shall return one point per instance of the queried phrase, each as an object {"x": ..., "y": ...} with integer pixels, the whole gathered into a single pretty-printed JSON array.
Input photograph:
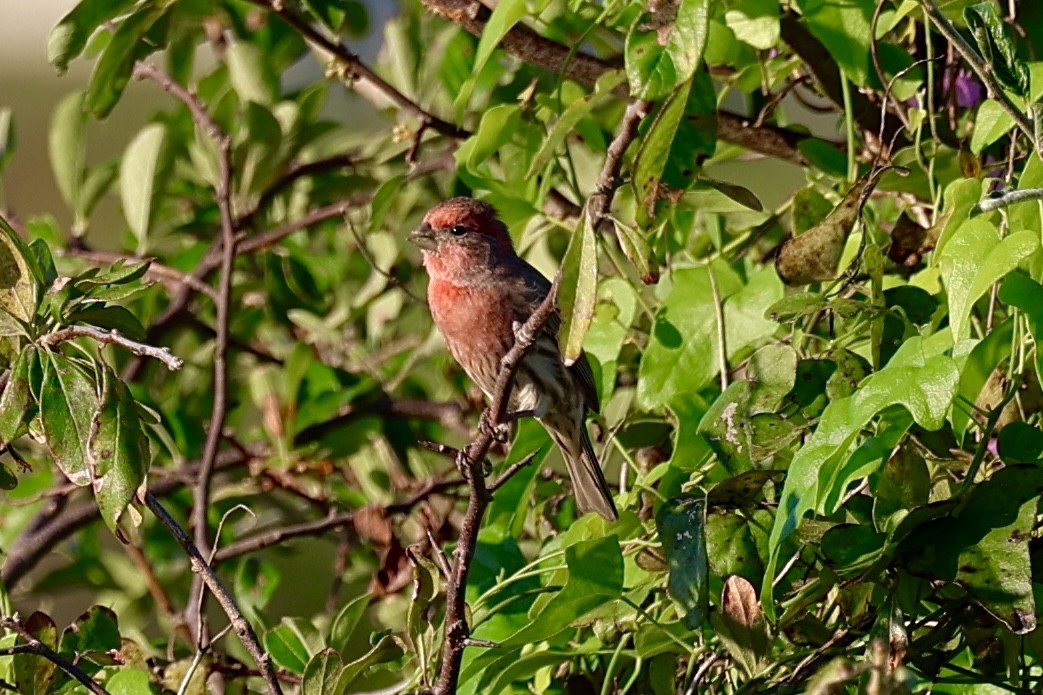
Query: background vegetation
[{"x": 799, "y": 241}]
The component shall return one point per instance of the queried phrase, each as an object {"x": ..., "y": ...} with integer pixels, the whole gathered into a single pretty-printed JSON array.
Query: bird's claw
[{"x": 500, "y": 433}]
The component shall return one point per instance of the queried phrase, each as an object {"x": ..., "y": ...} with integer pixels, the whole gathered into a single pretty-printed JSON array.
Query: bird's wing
[{"x": 536, "y": 288}]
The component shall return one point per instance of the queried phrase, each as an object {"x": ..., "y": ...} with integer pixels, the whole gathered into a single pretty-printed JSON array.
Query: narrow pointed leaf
[{"x": 577, "y": 294}]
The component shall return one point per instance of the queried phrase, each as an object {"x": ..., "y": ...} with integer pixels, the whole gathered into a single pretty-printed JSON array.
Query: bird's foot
[{"x": 500, "y": 433}]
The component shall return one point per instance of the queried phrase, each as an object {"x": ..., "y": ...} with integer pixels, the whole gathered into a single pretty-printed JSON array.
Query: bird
[{"x": 479, "y": 292}]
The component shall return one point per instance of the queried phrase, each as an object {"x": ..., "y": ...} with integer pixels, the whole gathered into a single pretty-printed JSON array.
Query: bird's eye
[{"x": 458, "y": 230}]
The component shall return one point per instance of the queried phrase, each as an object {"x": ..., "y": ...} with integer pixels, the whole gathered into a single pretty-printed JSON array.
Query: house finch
[{"x": 480, "y": 291}]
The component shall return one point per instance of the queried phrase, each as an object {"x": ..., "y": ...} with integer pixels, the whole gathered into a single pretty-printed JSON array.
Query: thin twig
[
  {"x": 981, "y": 68},
  {"x": 357, "y": 69},
  {"x": 35, "y": 646},
  {"x": 511, "y": 470},
  {"x": 321, "y": 526},
  {"x": 224, "y": 597},
  {"x": 112, "y": 337},
  {"x": 471, "y": 460}
]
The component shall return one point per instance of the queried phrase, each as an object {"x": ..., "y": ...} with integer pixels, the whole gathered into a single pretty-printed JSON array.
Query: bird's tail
[{"x": 592, "y": 493}]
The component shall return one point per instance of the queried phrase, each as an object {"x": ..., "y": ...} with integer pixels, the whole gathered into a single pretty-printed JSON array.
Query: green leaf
[
  {"x": 504, "y": 16},
  {"x": 347, "y": 620},
  {"x": 8, "y": 480},
  {"x": 923, "y": 386},
  {"x": 322, "y": 674},
  {"x": 680, "y": 524},
  {"x": 844, "y": 29},
  {"x": 998, "y": 572},
  {"x": 19, "y": 287},
  {"x": 986, "y": 546},
  {"x": 755, "y": 22},
  {"x": 613, "y": 316},
  {"x": 990, "y": 33},
  {"x": 1018, "y": 290},
  {"x": 34, "y": 675},
  {"x": 130, "y": 681},
  {"x": 1020, "y": 442},
  {"x": 991, "y": 123},
  {"x": 577, "y": 292},
  {"x": 595, "y": 577},
  {"x": 725, "y": 427},
  {"x": 902, "y": 485},
  {"x": 69, "y": 37},
  {"x": 16, "y": 406},
  {"x": 251, "y": 73},
  {"x": 655, "y": 146},
  {"x": 383, "y": 651},
  {"x": 655, "y": 70},
  {"x": 681, "y": 354},
  {"x": 772, "y": 373},
  {"x": 496, "y": 128},
  {"x": 67, "y": 405},
  {"x": 118, "y": 450},
  {"x": 573, "y": 114},
  {"x": 730, "y": 547},
  {"x": 119, "y": 273},
  {"x": 111, "y": 316},
  {"x": 974, "y": 258},
  {"x": 638, "y": 251},
  {"x": 96, "y": 183},
  {"x": 426, "y": 583},
  {"x": 292, "y": 644},
  {"x": 127, "y": 46},
  {"x": 139, "y": 179},
  {"x": 92, "y": 634}
]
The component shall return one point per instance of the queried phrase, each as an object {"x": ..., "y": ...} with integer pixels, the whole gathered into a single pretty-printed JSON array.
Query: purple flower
[{"x": 969, "y": 91}]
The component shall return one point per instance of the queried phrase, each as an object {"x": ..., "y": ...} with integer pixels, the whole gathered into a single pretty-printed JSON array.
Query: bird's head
[{"x": 462, "y": 237}]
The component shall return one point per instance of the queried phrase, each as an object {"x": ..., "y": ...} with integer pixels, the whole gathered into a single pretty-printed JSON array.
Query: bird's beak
[{"x": 424, "y": 237}]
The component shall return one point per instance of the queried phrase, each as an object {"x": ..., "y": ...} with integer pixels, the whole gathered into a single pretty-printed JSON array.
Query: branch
[
  {"x": 223, "y": 193},
  {"x": 470, "y": 460},
  {"x": 321, "y": 526},
  {"x": 608, "y": 180},
  {"x": 224, "y": 597},
  {"x": 357, "y": 69},
  {"x": 35, "y": 646},
  {"x": 981, "y": 68},
  {"x": 113, "y": 337},
  {"x": 585, "y": 69},
  {"x": 1006, "y": 200}
]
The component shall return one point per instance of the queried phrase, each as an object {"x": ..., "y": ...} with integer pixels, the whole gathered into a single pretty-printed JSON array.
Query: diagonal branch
[
  {"x": 224, "y": 597},
  {"x": 223, "y": 193}
]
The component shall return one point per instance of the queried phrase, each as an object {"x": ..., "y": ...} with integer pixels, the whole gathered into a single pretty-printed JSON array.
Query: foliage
[{"x": 831, "y": 486}]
